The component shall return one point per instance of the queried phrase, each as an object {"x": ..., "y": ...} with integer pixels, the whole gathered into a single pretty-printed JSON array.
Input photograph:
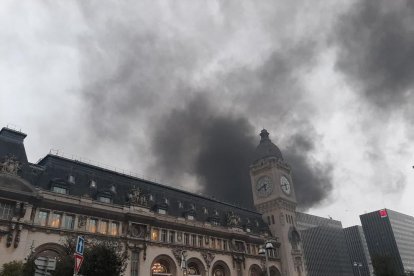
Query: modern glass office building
[
  {"x": 390, "y": 234},
  {"x": 358, "y": 251},
  {"x": 324, "y": 246}
]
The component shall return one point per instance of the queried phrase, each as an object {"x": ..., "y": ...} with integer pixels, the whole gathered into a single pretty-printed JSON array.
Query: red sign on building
[{"x": 383, "y": 213}]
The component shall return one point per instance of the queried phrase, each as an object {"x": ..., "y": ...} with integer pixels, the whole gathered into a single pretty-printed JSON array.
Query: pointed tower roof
[{"x": 266, "y": 148}]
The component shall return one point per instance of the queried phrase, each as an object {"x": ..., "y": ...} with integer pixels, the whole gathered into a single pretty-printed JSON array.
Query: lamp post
[
  {"x": 265, "y": 251},
  {"x": 358, "y": 265}
]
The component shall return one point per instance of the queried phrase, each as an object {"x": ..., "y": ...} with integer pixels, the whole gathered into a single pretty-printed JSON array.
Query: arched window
[
  {"x": 255, "y": 270},
  {"x": 220, "y": 269},
  {"x": 195, "y": 267},
  {"x": 163, "y": 266}
]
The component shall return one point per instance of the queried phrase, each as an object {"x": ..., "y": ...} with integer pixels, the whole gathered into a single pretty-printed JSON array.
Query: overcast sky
[{"x": 179, "y": 91}]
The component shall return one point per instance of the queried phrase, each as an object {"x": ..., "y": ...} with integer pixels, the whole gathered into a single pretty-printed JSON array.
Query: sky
[{"x": 178, "y": 92}]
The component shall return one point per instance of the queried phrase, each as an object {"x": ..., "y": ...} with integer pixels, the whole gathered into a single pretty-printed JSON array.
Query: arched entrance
[
  {"x": 163, "y": 265},
  {"x": 255, "y": 270},
  {"x": 274, "y": 271},
  {"x": 195, "y": 267},
  {"x": 220, "y": 269},
  {"x": 49, "y": 250}
]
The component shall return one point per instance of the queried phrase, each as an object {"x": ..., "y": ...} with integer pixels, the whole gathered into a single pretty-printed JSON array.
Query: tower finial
[{"x": 264, "y": 134}]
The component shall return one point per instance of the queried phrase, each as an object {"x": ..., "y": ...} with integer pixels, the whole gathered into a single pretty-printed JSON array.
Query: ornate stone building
[{"x": 43, "y": 203}]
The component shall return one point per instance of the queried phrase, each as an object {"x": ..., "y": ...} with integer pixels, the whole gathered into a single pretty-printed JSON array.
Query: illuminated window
[
  {"x": 6, "y": 210},
  {"x": 103, "y": 227},
  {"x": 56, "y": 219},
  {"x": 155, "y": 233},
  {"x": 42, "y": 218},
  {"x": 59, "y": 190},
  {"x": 113, "y": 229},
  {"x": 92, "y": 225},
  {"x": 69, "y": 222},
  {"x": 160, "y": 268}
]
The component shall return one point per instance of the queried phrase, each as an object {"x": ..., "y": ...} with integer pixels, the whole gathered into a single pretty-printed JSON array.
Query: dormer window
[
  {"x": 192, "y": 206},
  {"x": 71, "y": 179},
  {"x": 92, "y": 184},
  {"x": 59, "y": 190},
  {"x": 112, "y": 189},
  {"x": 180, "y": 205},
  {"x": 205, "y": 211},
  {"x": 151, "y": 198},
  {"x": 104, "y": 199},
  {"x": 166, "y": 201}
]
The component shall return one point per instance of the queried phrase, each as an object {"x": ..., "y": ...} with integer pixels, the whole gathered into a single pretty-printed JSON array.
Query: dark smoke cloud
[
  {"x": 376, "y": 50},
  {"x": 217, "y": 148},
  {"x": 312, "y": 179},
  {"x": 140, "y": 78}
]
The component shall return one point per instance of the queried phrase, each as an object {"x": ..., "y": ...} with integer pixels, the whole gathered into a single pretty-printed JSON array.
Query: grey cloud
[{"x": 376, "y": 50}]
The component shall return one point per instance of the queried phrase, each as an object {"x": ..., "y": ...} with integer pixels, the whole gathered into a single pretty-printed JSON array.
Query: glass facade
[
  {"x": 358, "y": 251},
  {"x": 390, "y": 234},
  {"x": 324, "y": 246}
]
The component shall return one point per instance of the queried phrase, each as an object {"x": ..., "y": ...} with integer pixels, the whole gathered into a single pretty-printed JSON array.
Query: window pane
[
  {"x": 56, "y": 219},
  {"x": 92, "y": 225},
  {"x": 134, "y": 263},
  {"x": 155, "y": 234},
  {"x": 6, "y": 210},
  {"x": 59, "y": 190},
  {"x": 164, "y": 235},
  {"x": 172, "y": 236},
  {"x": 103, "y": 227},
  {"x": 104, "y": 199},
  {"x": 69, "y": 222},
  {"x": 186, "y": 238},
  {"x": 42, "y": 218},
  {"x": 114, "y": 229}
]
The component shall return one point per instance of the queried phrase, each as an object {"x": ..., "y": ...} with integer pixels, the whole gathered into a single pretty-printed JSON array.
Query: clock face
[
  {"x": 264, "y": 186},
  {"x": 285, "y": 185}
]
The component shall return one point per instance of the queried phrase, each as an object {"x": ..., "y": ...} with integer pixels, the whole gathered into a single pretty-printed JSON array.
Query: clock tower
[{"x": 274, "y": 197}]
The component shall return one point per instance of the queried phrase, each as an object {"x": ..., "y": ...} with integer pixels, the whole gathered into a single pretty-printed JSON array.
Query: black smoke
[
  {"x": 140, "y": 78},
  {"x": 375, "y": 42},
  {"x": 217, "y": 148}
]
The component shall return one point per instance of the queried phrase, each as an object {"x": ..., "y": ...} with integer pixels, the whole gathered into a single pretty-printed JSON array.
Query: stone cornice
[{"x": 278, "y": 203}]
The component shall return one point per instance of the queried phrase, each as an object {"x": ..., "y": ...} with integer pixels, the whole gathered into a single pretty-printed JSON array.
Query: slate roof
[
  {"x": 266, "y": 148},
  {"x": 55, "y": 170}
]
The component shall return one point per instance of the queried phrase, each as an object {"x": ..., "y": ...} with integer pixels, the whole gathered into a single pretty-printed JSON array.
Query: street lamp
[
  {"x": 358, "y": 265},
  {"x": 265, "y": 251}
]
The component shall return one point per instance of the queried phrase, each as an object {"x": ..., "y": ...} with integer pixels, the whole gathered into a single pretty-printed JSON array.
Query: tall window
[
  {"x": 92, "y": 225},
  {"x": 219, "y": 244},
  {"x": 113, "y": 229},
  {"x": 172, "y": 237},
  {"x": 103, "y": 227},
  {"x": 155, "y": 233},
  {"x": 200, "y": 241},
  {"x": 6, "y": 210},
  {"x": 193, "y": 240},
  {"x": 186, "y": 239},
  {"x": 56, "y": 220},
  {"x": 134, "y": 263},
  {"x": 69, "y": 222},
  {"x": 164, "y": 235},
  {"x": 213, "y": 243},
  {"x": 42, "y": 218}
]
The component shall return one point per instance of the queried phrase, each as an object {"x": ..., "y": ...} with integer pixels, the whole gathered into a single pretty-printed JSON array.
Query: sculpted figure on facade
[
  {"x": 10, "y": 165},
  {"x": 233, "y": 220}
]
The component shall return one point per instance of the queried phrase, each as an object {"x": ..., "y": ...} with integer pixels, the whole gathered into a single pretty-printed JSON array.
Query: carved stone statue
[
  {"x": 232, "y": 219},
  {"x": 10, "y": 166},
  {"x": 137, "y": 197}
]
